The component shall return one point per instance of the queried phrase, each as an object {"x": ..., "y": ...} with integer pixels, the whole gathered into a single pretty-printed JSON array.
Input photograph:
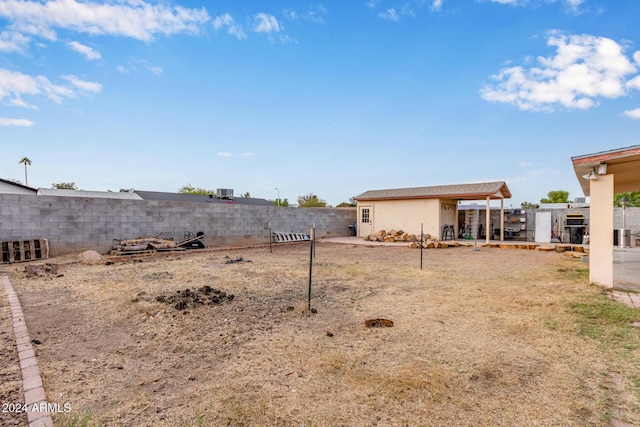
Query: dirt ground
[{"x": 479, "y": 338}]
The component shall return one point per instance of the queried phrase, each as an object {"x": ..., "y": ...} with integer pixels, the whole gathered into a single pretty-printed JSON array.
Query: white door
[
  {"x": 543, "y": 227},
  {"x": 365, "y": 221}
]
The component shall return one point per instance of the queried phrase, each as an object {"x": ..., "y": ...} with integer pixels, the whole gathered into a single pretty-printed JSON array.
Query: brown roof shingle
[{"x": 495, "y": 190}]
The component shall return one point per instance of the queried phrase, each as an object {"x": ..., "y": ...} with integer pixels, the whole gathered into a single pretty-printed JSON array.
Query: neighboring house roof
[
  {"x": 15, "y": 187},
  {"x": 200, "y": 198},
  {"x": 91, "y": 194},
  {"x": 494, "y": 190}
]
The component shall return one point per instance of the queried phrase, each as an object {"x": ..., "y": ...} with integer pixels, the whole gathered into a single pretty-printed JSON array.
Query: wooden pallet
[{"x": 24, "y": 250}]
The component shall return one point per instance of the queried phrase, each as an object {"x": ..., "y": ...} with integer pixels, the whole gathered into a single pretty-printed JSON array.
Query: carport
[{"x": 601, "y": 176}]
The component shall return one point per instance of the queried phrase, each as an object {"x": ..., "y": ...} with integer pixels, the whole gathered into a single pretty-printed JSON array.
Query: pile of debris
[
  {"x": 154, "y": 244},
  {"x": 428, "y": 242},
  {"x": 144, "y": 244},
  {"x": 206, "y": 295}
]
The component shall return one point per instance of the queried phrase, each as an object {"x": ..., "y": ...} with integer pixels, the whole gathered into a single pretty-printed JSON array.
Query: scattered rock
[
  {"x": 41, "y": 269},
  {"x": 90, "y": 257},
  {"x": 377, "y": 323}
]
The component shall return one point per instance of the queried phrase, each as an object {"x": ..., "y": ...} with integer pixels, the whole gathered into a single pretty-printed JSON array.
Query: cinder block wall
[{"x": 76, "y": 223}]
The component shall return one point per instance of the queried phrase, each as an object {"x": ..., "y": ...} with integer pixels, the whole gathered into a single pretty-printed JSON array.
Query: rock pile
[{"x": 429, "y": 242}]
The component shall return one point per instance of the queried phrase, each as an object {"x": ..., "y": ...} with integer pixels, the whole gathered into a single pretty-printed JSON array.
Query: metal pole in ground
[
  {"x": 421, "y": 242},
  {"x": 312, "y": 235}
]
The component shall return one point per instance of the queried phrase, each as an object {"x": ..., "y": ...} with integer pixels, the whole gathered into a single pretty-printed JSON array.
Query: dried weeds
[{"x": 489, "y": 337}]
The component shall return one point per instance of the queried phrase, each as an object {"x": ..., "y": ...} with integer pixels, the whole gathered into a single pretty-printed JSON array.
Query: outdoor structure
[
  {"x": 434, "y": 208},
  {"x": 601, "y": 176},
  {"x": 11, "y": 187}
]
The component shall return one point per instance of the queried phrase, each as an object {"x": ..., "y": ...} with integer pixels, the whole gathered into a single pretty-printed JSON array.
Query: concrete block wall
[{"x": 77, "y": 223}]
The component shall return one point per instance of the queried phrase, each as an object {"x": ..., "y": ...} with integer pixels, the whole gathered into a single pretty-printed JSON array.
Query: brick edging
[{"x": 34, "y": 396}]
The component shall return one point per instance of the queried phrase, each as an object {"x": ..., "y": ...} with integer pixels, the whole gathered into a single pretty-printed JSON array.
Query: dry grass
[{"x": 494, "y": 337}]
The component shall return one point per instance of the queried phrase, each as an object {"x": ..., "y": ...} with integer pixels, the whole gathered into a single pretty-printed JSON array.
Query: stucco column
[
  {"x": 488, "y": 220},
  {"x": 502, "y": 220},
  {"x": 601, "y": 231}
]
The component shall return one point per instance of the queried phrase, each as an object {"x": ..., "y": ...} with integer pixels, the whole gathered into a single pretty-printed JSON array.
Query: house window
[{"x": 365, "y": 215}]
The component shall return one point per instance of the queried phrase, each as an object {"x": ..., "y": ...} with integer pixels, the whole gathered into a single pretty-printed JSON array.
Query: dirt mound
[{"x": 206, "y": 295}]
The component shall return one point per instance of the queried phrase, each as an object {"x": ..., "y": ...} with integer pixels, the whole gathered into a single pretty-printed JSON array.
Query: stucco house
[{"x": 432, "y": 208}]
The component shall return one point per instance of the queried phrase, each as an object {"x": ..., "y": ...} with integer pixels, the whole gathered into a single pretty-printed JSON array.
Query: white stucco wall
[{"x": 408, "y": 215}]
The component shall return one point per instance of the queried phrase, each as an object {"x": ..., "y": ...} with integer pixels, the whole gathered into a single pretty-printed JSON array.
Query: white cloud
[
  {"x": 14, "y": 85},
  {"x": 636, "y": 57},
  {"x": 373, "y": 3},
  {"x": 315, "y": 14},
  {"x": 265, "y": 23},
  {"x": 137, "y": 65},
  {"x": 224, "y": 154},
  {"x": 87, "y": 51},
  {"x": 137, "y": 19},
  {"x": 247, "y": 154},
  {"x": 233, "y": 29},
  {"x": 584, "y": 68},
  {"x": 390, "y": 14},
  {"x": 525, "y": 164},
  {"x": 157, "y": 70},
  {"x": 436, "y": 6},
  {"x": 11, "y": 41},
  {"x": 571, "y": 5},
  {"x": 634, "y": 83},
  {"x": 634, "y": 114},
  {"x": 574, "y": 5},
  {"x": 85, "y": 86},
  {"x": 5, "y": 121}
]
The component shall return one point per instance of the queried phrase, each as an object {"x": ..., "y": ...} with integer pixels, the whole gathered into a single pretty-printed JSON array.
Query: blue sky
[{"x": 332, "y": 98}]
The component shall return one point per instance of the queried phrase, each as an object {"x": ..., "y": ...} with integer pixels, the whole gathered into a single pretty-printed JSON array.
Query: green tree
[
  {"x": 246, "y": 195},
  {"x": 350, "y": 204},
  {"x": 64, "y": 186},
  {"x": 311, "y": 201},
  {"x": 26, "y": 162},
  {"x": 556, "y": 196},
  {"x": 632, "y": 197},
  {"x": 190, "y": 189},
  {"x": 280, "y": 202},
  {"x": 529, "y": 205}
]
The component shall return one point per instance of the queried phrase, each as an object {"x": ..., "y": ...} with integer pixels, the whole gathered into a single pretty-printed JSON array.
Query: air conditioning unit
[
  {"x": 224, "y": 193},
  {"x": 580, "y": 200}
]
